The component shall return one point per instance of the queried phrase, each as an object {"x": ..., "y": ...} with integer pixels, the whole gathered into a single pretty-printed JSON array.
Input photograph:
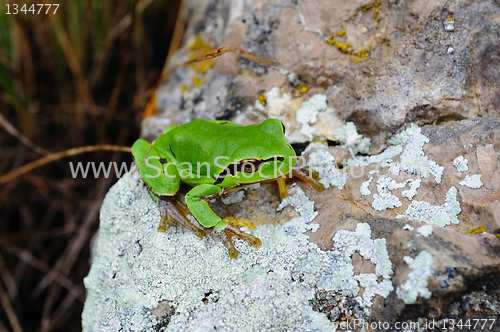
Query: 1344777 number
[
  {"x": 471, "y": 323},
  {"x": 34, "y": 8}
]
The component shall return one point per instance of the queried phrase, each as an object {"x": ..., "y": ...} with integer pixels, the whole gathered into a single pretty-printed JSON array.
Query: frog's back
[{"x": 202, "y": 141}]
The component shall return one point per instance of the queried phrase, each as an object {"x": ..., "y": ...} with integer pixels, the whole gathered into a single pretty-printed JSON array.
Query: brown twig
[
  {"x": 62, "y": 280},
  {"x": 23, "y": 139},
  {"x": 175, "y": 43},
  {"x": 8, "y": 280},
  {"x": 55, "y": 156},
  {"x": 69, "y": 257},
  {"x": 74, "y": 65},
  {"x": 11, "y": 315},
  {"x": 214, "y": 54}
]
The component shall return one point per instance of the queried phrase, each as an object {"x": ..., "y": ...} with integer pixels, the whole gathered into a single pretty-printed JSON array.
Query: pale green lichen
[
  {"x": 384, "y": 199},
  {"x": 348, "y": 137},
  {"x": 135, "y": 268},
  {"x": 408, "y": 227},
  {"x": 461, "y": 164},
  {"x": 339, "y": 272},
  {"x": 276, "y": 102},
  {"x": 322, "y": 162},
  {"x": 440, "y": 215},
  {"x": 315, "y": 145},
  {"x": 308, "y": 113},
  {"x": 414, "y": 185},
  {"x": 383, "y": 157},
  {"x": 418, "y": 278},
  {"x": 409, "y": 146},
  {"x": 425, "y": 230},
  {"x": 405, "y": 136},
  {"x": 234, "y": 198},
  {"x": 472, "y": 181},
  {"x": 413, "y": 159},
  {"x": 364, "y": 189},
  {"x": 293, "y": 79},
  {"x": 301, "y": 203}
]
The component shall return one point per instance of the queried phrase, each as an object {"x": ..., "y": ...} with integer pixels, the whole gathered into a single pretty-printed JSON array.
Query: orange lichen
[
  {"x": 196, "y": 44},
  {"x": 476, "y": 230},
  {"x": 263, "y": 100},
  {"x": 150, "y": 107},
  {"x": 199, "y": 47},
  {"x": 367, "y": 7},
  {"x": 347, "y": 47}
]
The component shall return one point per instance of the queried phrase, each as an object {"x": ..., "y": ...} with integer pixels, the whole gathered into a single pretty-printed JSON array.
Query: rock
[
  {"x": 408, "y": 229},
  {"x": 410, "y": 75},
  {"x": 430, "y": 267},
  {"x": 144, "y": 280}
]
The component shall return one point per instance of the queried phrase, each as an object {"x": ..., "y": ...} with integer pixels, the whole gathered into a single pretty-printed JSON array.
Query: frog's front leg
[
  {"x": 220, "y": 228},
  {"x": 301, "y": 174},
  {"x": 168, "y": 208}
]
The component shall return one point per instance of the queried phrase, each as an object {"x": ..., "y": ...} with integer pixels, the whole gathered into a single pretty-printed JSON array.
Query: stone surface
[
  {"x": 410, "y": 75},
  {"x": 397, "y": 236},
  {"x": 142, "y": 280}
]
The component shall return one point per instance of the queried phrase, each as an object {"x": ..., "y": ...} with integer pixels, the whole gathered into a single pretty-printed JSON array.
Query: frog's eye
[
  {"x": 249, "y": 167},
  {"x": 283, "y": 128}
]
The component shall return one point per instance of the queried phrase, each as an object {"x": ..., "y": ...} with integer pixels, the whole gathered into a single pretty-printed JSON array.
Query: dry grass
[{"x": 75, "y": 78}]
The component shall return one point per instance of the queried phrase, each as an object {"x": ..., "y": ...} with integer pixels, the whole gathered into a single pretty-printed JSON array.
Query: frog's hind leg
[
  {"x": 228, "y": 232},
  {"x": 169, "y": 209},
  {"x": 312, "y": 180}
]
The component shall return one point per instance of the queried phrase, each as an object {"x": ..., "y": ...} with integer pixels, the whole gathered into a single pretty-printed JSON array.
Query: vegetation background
[{"x": 74, "y": 78}]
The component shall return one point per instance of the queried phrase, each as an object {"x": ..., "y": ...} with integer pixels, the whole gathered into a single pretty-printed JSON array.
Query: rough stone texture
[
  {"x": 143, "y": 280},
  {"x": 419, "y": 70},
  {"x": 416, "y": 72}
]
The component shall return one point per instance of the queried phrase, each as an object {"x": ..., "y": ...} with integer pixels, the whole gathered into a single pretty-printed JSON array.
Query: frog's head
[{"x": 263, "y": 154}]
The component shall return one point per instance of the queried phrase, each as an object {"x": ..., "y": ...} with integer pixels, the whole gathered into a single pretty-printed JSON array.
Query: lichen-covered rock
[
  {"x": 142, "y": 280},
  {"x": 371, "y": 268},
  {"x": 408, "y": 228},
  {"x": 375, "y": 188},
  {"x": 404, "y": 65}
]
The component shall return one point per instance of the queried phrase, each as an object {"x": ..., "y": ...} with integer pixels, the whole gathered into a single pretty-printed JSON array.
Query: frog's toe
[
  {"x": 226, "y": 239},
  {"x": 233, "y": 231},
  {"x": 228, "y": 232},
  {"x": 232, "y": 251},
  {"x": 162, "y": 227}
]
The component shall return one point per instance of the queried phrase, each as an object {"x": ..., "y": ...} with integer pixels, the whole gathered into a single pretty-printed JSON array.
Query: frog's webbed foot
[
  {"x": 169, "y": 210},
  {"x": 226, "y": 233}
]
